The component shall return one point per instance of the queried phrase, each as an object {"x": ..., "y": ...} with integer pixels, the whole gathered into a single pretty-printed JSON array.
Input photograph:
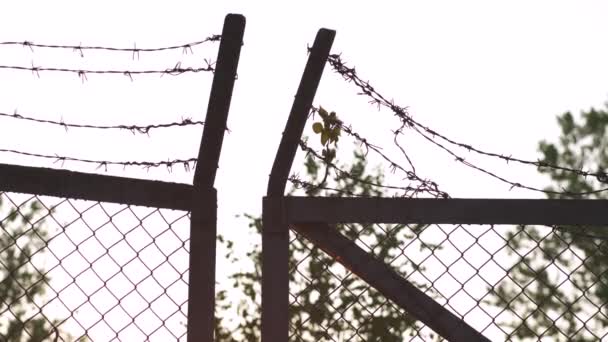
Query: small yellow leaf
[{"x": 317, "y": 127}]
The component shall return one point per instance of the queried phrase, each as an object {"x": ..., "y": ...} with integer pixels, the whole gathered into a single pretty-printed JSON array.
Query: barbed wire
[
  {"x": 186, "y": 163},
  {"x": 186, "y": 48},
  {"x": 143, "y": 129},
  {"x": 366, "y": 89},
  {"x": 504, "y": 180},
  {"x": 425, "y": 186},
  {"x": 299, "y": 183},
  {"x": 82, "y": 73}
]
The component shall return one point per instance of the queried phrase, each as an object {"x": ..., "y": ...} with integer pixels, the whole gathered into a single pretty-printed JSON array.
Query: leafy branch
[{"x": 329, "y": 130}]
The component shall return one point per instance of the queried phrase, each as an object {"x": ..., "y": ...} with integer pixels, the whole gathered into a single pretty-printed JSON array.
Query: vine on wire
[{"x": 329, "y": 129}]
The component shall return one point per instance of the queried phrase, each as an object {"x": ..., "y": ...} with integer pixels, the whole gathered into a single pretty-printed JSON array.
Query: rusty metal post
[
  {"x": 203, "y": 224},
  {"x": 275, "y": 232}
]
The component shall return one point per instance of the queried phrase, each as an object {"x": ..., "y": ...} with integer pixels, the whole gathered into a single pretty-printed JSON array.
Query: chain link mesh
[
  {"x": 510, "y": 283},
  {"x": 73, "y": 270}
]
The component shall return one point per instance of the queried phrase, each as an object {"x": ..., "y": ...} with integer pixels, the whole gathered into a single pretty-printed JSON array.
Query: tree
[
  {"x": 327, "y": 301},
  {"x": 560, "y": 284},
  {"x": 22, "y": 235}
]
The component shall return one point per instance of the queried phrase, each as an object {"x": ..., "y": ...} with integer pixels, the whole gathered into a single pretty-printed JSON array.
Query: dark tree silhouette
[{"x": 560, "y": 285}]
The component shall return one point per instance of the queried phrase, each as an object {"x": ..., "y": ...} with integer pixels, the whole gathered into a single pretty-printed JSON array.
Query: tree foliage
[
  {"x": 22, "y": 235},
  {"x": 559, "y": 286}
]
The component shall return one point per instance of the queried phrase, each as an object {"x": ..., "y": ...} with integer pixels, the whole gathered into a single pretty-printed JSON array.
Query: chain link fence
[
  {"x": 517, "y": 283},
  {"x": 75, "y": 270}
]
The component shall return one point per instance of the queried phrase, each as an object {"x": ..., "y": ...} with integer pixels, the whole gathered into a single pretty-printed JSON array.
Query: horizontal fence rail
[
  {"x": 94, "y": 187},
  {"x": 448, "y": 211}
]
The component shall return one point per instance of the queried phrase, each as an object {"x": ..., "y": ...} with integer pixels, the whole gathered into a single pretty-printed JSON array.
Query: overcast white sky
[
  {"x": 486, "y": 73},
  {"x": 493, "y": 74}
]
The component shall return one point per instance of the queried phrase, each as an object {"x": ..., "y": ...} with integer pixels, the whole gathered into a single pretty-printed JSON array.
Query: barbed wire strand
[
  {"x": 299, "y": 183},
  {"x": 426, "y": 186},
  {"x": 186, "y": 163},
  {"x": 143, "y": 129},
  {"x": 186, "y": 48},
  {"x": 82, "y": 73},
  {"x": 366, "y": 89},
  {"x": 502, "y": 179}
]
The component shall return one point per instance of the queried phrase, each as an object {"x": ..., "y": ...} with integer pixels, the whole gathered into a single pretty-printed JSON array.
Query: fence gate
[
  {"x": 119, "y": 270},
  {"x": 417, "y": 294}
]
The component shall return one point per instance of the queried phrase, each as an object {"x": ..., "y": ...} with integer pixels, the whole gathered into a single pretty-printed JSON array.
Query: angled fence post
[
  {"x": 203, "y": 229},
  {"x": 275, "y": 232}
]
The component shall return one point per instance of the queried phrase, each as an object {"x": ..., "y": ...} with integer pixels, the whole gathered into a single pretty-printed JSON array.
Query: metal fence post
[
  {"x": 201, "y": 286},
  {"x": 275, "y": 232}
]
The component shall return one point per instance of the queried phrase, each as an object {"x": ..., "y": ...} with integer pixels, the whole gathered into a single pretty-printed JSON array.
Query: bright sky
[{"x": 487, "y": 73}]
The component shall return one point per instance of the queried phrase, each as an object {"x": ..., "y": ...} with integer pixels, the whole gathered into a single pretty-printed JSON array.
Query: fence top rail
[
  {"x": 446, "y": 211},
  {"x": 94, "y": 187},
  {"x": 300, "y": 109}
]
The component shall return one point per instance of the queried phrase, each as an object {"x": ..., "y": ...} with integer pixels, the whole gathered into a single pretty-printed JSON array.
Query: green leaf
[
  {"x": 335, "y": 132},
  {"x": 323, "y": 113},
  {"x": 317, "y": 127},
  {"x": 566, "y": 122},
  {"x": 35, "y": 206},
  {"x": 324, "y": 138},
  {"x": 549, "y": 151}
]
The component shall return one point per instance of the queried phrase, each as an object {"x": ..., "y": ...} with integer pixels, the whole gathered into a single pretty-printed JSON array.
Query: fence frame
[
  {"x": 200, "y": 198},
  {"x": 312, "y": 217}
]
